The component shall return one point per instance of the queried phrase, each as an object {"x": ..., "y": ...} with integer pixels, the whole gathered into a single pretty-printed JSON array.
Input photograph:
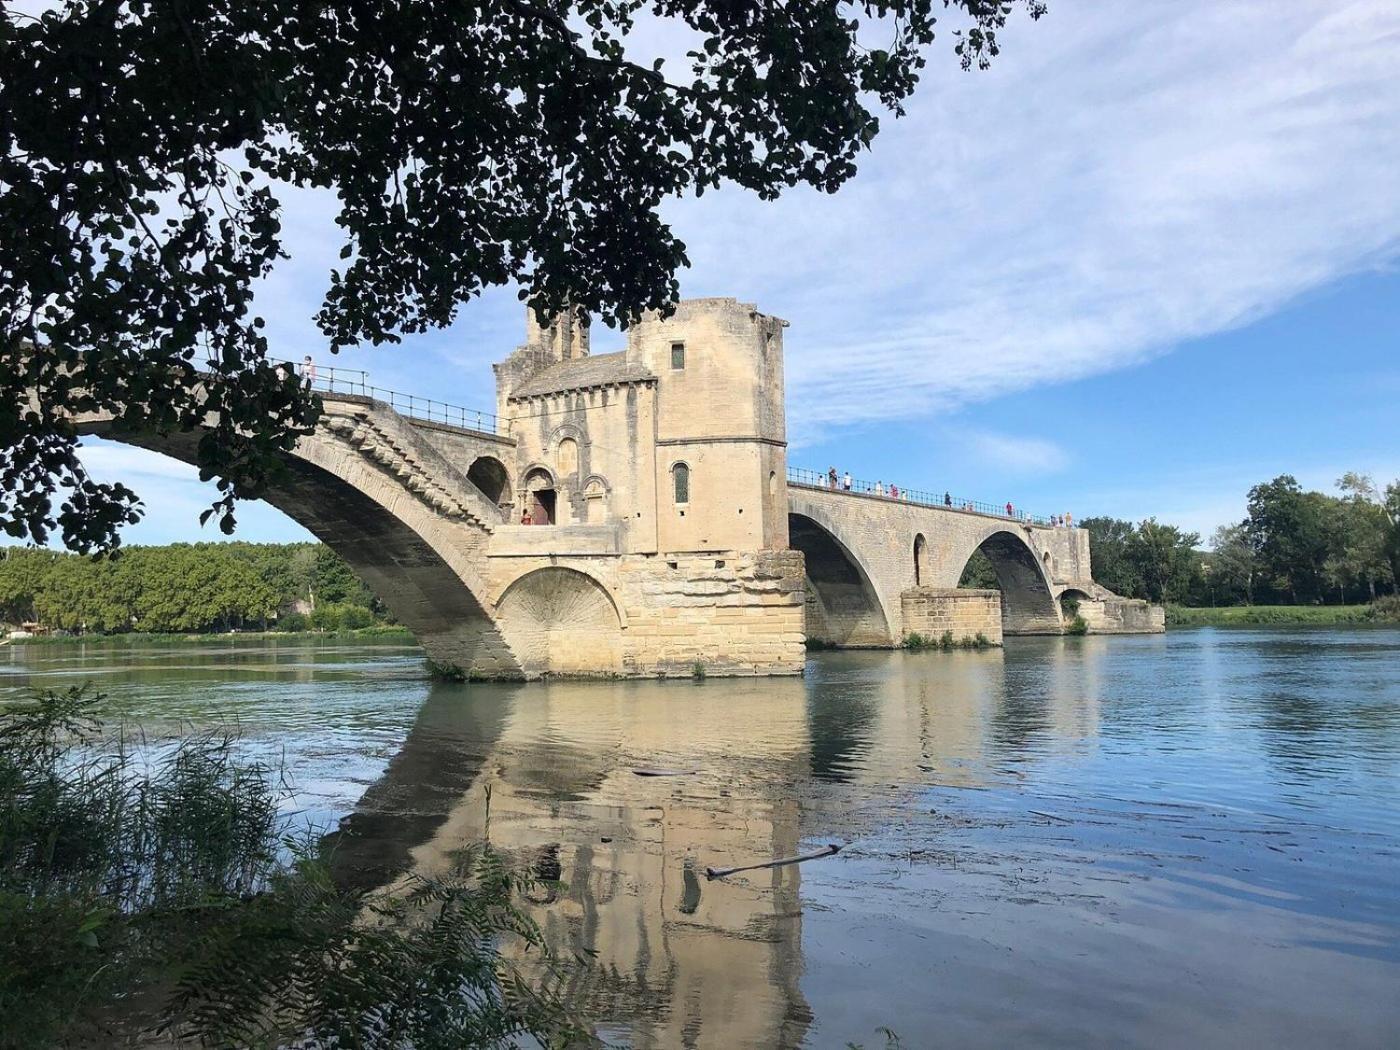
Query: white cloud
[{"x": 1126, "y": 177}]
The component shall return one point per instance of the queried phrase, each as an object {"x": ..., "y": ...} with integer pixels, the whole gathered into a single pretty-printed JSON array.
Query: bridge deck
[{"x": 964, "y": 508}]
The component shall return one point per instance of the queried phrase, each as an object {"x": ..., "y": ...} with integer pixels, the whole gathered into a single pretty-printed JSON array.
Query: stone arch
[
  {"x": 596, "y": 493},
  {"x": 920, "y": 560},
  {"x": 1070, "y": 599},
  {"x": 843, "y": 607},
  {"x": 539, "y": 495},
  {"x": 490, "y": 475},
  {"x": 562, "y": 622},
  {"x": 412, "y": 558},
  {"x": 1028, "y": 605},
  {"x": 566, "y": 456}
]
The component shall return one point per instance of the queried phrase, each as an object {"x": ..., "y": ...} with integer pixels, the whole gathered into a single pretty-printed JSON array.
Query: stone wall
[
  {"x": 733, "y": 613},
  {"x": 932, "y": 611},
  {"x": 1122, "y": 616}
]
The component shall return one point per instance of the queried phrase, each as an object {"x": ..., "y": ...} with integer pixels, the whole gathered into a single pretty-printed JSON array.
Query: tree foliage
[
  {"x": 184, "y": 588},
  {"x": 1296, "y": 546},
  {"x": 143, "y": 144}
]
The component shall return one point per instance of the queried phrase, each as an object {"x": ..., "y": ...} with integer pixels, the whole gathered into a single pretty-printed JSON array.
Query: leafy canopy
[{"x": 141, "y": 145}]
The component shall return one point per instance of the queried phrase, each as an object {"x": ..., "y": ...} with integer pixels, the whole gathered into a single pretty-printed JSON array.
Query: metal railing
[
  {"x": 355, "y": 382},
  {"x": 815, "y": 479}
]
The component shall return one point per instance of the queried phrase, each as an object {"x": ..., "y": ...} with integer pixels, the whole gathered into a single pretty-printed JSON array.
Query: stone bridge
[
  {"x": 387, "y": 493},
  {"x": 880, "y": 568},
  {"x": 676, "y": 541}
]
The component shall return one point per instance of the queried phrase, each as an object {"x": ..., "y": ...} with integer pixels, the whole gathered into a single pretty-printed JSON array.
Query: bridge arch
[
  {"x": 1028, "y": 604},
  {"x": 490, "y": 475},
  {"x": 408, "y": 538},
  {"x": 843, "y": 605},
  {"x": 562, "y": 621}
]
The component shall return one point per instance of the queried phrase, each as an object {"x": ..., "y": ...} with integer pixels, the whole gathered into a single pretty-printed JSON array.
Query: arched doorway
[
  {"x": 1027, "y": 606},
  {"x": 920, "y": 559},
  {"x": 489, "y": 474},
  {"x": 541, "y": 499},
  {"x": 562, "y": 621},
  {"x": 842, "y": 606}
]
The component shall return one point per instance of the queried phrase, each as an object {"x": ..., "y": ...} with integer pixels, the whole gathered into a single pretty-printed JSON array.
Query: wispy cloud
[
  {"x": 1011, "y": 454},
  {"x": 1127, "y": 177}
]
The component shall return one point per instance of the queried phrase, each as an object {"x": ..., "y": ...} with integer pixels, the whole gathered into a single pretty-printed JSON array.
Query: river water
[{"x": 1190, "y": 840}]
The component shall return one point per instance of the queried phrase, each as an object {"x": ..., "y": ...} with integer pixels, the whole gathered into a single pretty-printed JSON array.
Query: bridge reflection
[{"x": 776, "y": 765}]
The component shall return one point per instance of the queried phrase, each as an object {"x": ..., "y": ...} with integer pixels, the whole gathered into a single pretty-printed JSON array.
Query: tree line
[
  {"x": 1294, "y": 547},
  {"x": 186, "y": 588}
]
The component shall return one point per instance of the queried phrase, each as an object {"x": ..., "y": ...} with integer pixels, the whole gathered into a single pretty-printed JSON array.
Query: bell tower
[{"x": 565, "y": 339}]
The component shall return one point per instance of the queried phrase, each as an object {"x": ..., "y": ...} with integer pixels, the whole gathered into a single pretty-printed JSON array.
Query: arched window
[
  {"x": 567, "y": 458},
  {"x": 680, "y": 479},
  {"x": 595, "y": 501},
  {"x": 920, "y": 559}
]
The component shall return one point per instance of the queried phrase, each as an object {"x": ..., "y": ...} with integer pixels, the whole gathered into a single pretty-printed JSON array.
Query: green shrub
[
  {"x": 945, "y": 641},
  {"x": 355, "y": 618},
  {"x": 292, "y": 621},
  {"x": 1386, "y": 609},
  {"x": 143, "y": 891},
  {"x": 916, "y": 641},
  {"x": 1078, "y": 625}
]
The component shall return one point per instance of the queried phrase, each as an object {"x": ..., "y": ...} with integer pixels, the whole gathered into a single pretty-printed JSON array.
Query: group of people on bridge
[{"x": 839, "y": 482}]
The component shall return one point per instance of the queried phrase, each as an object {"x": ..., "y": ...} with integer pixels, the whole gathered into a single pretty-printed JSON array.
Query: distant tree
[
  {"x": 1111, "y": 561},
  {"x": 1360, "y": 533},
  {"x": 1288, "y": 529},
  {"x": 1232, "y": 562},
  {"x": 979, "y": 573},
  {"x": 1165, "y": 559},
  {"x": 468, "y": 145}
]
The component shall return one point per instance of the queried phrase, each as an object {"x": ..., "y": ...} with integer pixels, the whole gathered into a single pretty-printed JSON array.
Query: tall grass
[
  {"x": 1246, "y": 615},
  {"x": 148, "y": 887}
]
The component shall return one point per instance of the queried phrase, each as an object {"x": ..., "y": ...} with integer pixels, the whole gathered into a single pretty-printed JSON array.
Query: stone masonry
[
  {"x": 633, "y": 517},
  {"x": 967, "y": 615}
]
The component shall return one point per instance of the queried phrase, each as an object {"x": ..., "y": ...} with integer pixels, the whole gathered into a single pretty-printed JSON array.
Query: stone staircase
[{"x": 416, "y": 466}]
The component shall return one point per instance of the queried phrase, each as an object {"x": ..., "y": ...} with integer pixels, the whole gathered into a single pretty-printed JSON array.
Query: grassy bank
[
  {"x": 1253, "y": 615},
  {"x": 393, "y": 632}
]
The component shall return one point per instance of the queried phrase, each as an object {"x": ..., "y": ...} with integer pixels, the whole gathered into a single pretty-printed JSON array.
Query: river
[{"x": 1190, "y": 840}]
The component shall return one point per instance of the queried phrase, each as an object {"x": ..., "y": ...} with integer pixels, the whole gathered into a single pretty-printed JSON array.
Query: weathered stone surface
[{"x": 674, "y": 543}]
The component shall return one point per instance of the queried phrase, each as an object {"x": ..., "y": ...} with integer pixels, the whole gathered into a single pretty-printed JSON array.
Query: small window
[
  {"x": 680, "y": 476},
  {"x": 677, "y": 355}
]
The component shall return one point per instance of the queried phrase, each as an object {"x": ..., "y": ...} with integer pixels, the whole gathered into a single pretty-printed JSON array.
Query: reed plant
[{"x": 152, "y": 887}]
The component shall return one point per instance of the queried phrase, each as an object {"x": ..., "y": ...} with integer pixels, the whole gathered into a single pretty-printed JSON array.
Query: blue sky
[{"x": 1147, "y": 260}]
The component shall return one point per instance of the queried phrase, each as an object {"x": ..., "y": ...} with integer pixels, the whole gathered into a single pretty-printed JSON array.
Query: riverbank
[
  {"x": 378, "y": 631},
  {"x": 1257, "y": 615}
]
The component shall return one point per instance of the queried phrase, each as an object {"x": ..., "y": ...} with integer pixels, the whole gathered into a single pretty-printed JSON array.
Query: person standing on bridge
[
  {"x": 846, "y": 483},
  {"x": 1010, "y": 510},
  {"x": 308, "y": 371},
  {"x": 947, "y": 499},
  {"x": 894, "y": 491},
  {"x": 1069, "y": 520},
  {"x": 831, "y": 479}
]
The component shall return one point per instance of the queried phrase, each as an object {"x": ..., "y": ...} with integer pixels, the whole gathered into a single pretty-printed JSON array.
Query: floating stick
[{"x": 825, "y": 851}]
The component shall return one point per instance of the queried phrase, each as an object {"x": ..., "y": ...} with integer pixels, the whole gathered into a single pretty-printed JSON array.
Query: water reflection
[
  {"x": 679, "y": 961},
  {"x": 1179, "y": 840}
]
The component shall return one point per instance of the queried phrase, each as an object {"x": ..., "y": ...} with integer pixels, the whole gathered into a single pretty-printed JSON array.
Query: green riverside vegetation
[
  {"x": 186, "y": 588},
  {"x": 1384, "y": 610},
  {"x": 157, "y": 889},
  {"x": 1296, "y": 549}
]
